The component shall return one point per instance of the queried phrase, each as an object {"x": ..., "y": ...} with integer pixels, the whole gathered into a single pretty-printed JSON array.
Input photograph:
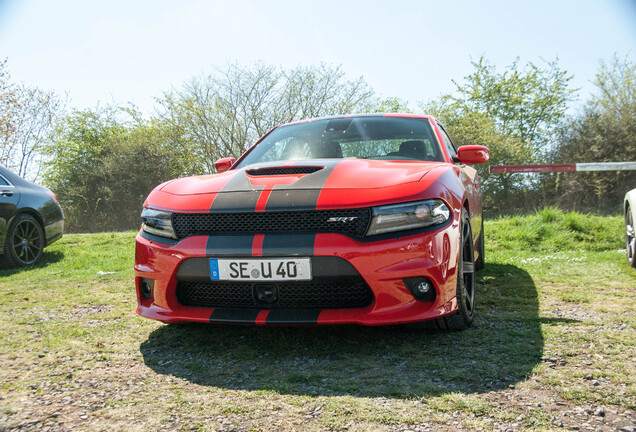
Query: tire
[
  {"x": 630, "y": 237},
  {"x": 24, "y": 242},
  {"x": 463, "y": 317},
  {"x": 480, "y": 262}
]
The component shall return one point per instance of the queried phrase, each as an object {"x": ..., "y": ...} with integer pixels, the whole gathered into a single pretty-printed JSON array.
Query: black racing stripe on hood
[
  {"x": 292, "y": 199},
  {"x": 302, "y": 194},
  {"x": 237, "y": 195},
  {"x": 234, "y": 245},
  {"x": 293, "y": 316},
  {"x": 234, "y": 315},
  {"x": 288, "y": 244}
]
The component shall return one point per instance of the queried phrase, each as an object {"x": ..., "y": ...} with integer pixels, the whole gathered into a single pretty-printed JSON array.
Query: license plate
[{"x": 278, "y": 269}]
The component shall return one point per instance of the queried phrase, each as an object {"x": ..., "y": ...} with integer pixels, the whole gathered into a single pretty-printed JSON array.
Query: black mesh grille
[
  {"x": 329, "y": 293},
  {"x": 291, "y": 170},
  {"x": 353, "y": 223}
]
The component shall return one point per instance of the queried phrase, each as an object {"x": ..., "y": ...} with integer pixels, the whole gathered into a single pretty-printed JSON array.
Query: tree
[
  {"x": 27, "y": 116},
  {"x": 217, "y": 115},
  {"x": 8, "y": 100},
  {"x": 515, "y": 113},
  {"x": 605, "y": 131},
  {"x": 528, "y": 105},
  {"x": 389, "y": 105},
  {"x": 467, "y": 128},
  {"x": 317, "y": 91},
  {"x": 102, "y": 164},
  {"x": 223, "y": 113}
]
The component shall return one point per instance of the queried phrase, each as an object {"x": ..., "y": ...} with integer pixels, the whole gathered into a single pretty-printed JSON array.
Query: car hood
[
  {"x": 341, "y": 174},
  {"x": 301, "y": 185}
]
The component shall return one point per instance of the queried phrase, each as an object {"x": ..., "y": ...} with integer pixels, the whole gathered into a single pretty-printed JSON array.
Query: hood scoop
[{"x": 288, "y": 170}]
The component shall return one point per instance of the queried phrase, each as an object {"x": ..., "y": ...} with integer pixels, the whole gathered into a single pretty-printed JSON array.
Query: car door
[{"x": 9, "y": 197}]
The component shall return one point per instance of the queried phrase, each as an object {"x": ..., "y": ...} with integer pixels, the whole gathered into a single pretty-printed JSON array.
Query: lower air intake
[{"x": 316, "y": 294}]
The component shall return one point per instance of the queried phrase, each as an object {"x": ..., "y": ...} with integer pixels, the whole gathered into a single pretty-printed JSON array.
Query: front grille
[
  {"x": 328, "y": 293},
  {"x": 352, "y": 222},
  {"x": 291, "y": 170}
]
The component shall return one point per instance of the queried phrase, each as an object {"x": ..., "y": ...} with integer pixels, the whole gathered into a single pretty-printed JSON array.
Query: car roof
[{"x": 401, "y": 115}]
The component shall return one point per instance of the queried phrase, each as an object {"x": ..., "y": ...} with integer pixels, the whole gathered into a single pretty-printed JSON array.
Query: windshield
[{"x": 383, "y": 138}]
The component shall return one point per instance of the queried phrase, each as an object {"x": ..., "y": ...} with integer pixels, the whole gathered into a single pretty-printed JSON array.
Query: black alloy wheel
[
  {"x": 630, "y": 237},
  {"x": 24, "y": 242},
  {"x": 463, "y": 317}
]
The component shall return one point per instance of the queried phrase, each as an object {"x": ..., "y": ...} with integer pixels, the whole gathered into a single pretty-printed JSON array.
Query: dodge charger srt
[{"x": 361, "y": 219}]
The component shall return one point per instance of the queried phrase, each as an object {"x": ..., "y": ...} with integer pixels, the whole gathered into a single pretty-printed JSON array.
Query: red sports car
[{"x": 359, "y": 219}]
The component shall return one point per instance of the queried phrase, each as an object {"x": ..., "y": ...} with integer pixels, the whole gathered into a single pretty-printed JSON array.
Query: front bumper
[{"x": 382, "y": 264}]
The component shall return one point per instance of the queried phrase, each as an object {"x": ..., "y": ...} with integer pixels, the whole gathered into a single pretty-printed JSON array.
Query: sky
[{"x": 132, "y": 51}]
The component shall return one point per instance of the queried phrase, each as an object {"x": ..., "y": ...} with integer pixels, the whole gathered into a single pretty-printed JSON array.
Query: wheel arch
[{"x": 466, "y": 205}]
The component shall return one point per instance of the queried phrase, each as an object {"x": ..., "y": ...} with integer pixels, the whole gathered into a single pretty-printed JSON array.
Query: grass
[
  {"x": 555, "y": 331},
  {"x": 552, "y": 230}
]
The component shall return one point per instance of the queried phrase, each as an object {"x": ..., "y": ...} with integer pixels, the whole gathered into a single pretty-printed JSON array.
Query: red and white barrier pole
[{"x": 594, "y": 166}]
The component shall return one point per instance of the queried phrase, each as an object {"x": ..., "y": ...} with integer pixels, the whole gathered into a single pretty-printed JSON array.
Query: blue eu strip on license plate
[{"x": 214, "y": 269}]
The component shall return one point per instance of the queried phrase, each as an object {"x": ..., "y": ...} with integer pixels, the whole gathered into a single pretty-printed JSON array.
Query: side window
[
  {"x": 3, "y": 182},
  {"x": 449, "y": 144}
]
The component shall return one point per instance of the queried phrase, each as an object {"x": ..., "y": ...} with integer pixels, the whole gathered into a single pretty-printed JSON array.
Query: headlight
[
  {"x": 157, "y": 222},
  {"x": 408, "y": 216}
]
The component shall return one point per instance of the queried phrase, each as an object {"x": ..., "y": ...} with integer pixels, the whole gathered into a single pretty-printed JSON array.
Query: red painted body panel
[
  {"x": 470, "y": 154},
  {"x": 351, "y": 183},
  {"x": 383, "y": 264},
  {"x": 348, "y": 174}
]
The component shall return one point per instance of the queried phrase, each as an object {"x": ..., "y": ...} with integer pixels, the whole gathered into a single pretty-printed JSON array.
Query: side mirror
[
  {"x": 224, "y": 164},
  {"x": 473, "y": 154}
]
